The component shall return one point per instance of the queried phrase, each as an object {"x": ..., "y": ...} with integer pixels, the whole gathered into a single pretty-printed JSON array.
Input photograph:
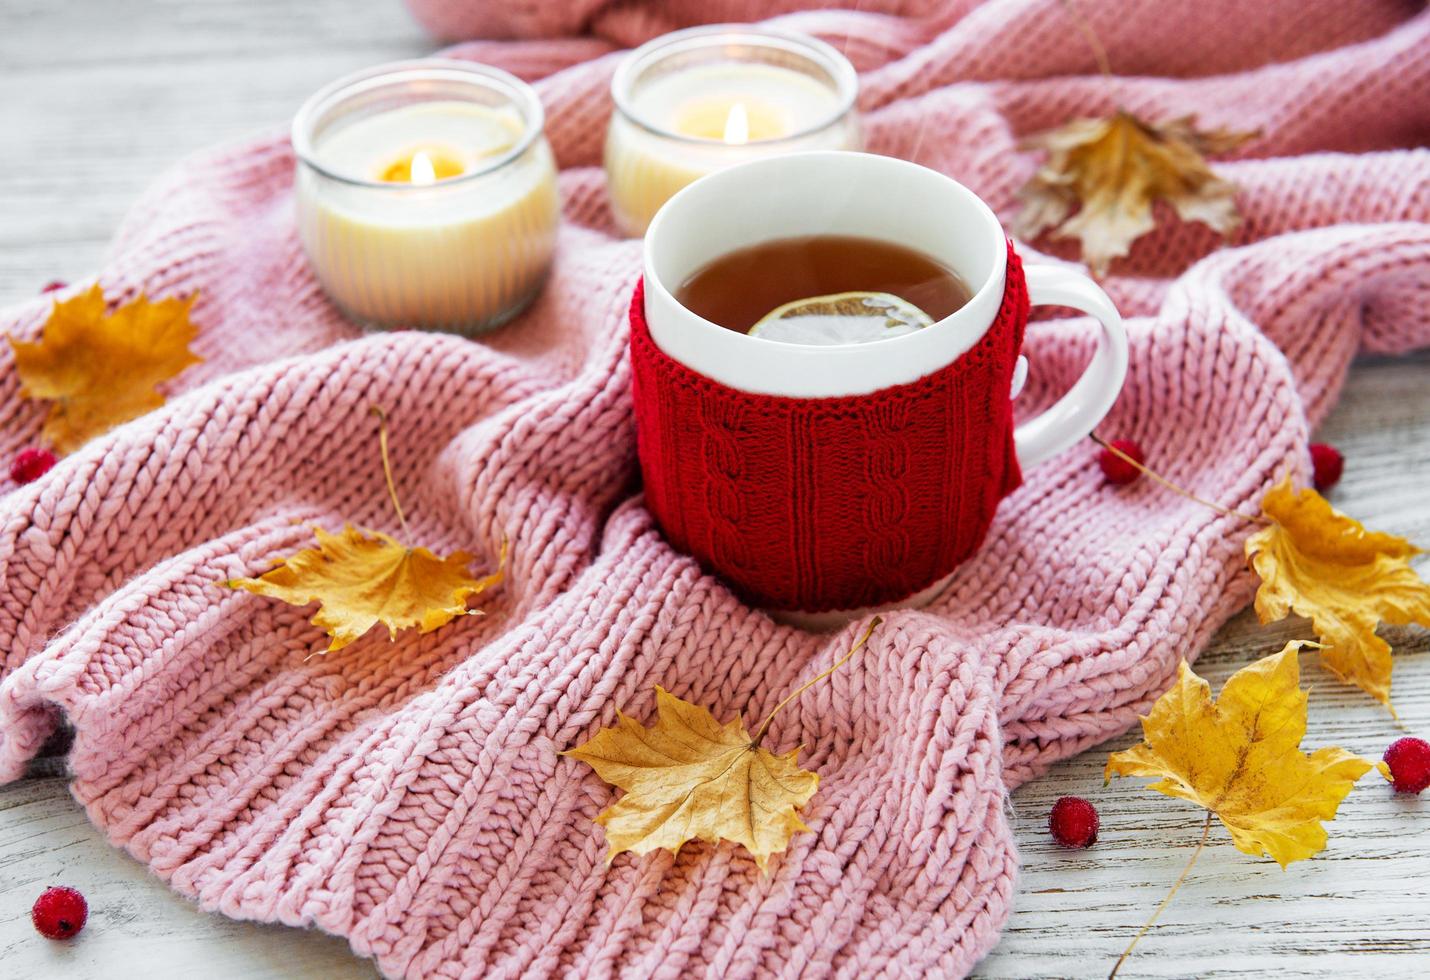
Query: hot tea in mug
[
  {"x": 824, "y": 289},
  {"x": 822, "y": 350}
]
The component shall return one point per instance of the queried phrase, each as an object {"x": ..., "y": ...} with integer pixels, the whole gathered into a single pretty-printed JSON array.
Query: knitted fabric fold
[
  {"x": 817, "y": 504},
  {"x": 409, "y": 795}
]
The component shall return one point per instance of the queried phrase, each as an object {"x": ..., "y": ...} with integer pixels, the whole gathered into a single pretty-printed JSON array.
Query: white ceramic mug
[{"x": 845, "y": 193}]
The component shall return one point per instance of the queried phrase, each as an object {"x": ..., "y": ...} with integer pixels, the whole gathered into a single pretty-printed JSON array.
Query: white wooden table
[{"x": 98, "y": 96}]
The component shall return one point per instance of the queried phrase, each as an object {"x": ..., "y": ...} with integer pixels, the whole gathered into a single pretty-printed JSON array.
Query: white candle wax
[
  {"x": 431, "y": 214},
  {"x": 675, "y": 124}
]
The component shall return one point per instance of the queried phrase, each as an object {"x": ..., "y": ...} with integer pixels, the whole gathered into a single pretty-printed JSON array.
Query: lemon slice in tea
[{"x": 841, "y": 318}]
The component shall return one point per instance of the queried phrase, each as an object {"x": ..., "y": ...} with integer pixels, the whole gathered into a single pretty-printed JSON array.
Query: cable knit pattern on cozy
[
  {"x": 812, "y": 503},
  {"x": 409, "y": 795}
]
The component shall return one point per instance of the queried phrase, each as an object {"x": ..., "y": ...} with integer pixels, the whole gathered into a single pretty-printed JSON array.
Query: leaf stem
[
  {"x": 1206, "y": 832},
  {"x": 1080, "y": 22},
  {"x": 765, "y": 725},
  {"x": 387, "y": 464},
  {"x": 1223, "y": 511}
]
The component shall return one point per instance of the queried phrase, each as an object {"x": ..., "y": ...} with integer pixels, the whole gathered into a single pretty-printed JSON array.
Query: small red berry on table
[
  {"x": 1073, "y": 822},
  {"x": 31, "y": 463},
  {"x": 59, "y": 912},
  {"x": 1117, "y": 470},
  {"x": 1409, "y": 762},
  {"x": 1327, "y": 463}
]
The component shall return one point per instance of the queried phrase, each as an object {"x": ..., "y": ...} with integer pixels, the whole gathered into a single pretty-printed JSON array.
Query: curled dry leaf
[
  {"x": 1240, "y": 757},
  {"x": 1115, "y": 169},
  {"x": 361, "y": 578},
  {"x": 688, "y": 777},
  {"x": 100, "y": 369},
  {"x": 1317, "y": 562}
]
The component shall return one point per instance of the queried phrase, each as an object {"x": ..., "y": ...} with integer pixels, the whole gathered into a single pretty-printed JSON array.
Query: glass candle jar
[
  {"x": 702, "y": 99},
  {"x": 426, "y": 194}
]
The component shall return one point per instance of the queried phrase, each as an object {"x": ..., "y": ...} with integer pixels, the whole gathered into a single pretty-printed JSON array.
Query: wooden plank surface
[{"x": 98, "y": 96}]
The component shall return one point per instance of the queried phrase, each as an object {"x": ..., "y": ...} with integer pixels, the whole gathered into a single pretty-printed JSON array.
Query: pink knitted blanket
[{"x": 409, "y": 795}]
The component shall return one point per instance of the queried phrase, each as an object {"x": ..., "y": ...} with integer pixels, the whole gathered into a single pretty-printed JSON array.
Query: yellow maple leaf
[
  {"x": 362, "y": 578},
  {"x": 98, "y": 369},
  {"x": 688, "y": 777},
  {"x": 1115, "y": 168},
  {"x": 1241, "y": 757},
  {"x": 1317, "y": 562}
]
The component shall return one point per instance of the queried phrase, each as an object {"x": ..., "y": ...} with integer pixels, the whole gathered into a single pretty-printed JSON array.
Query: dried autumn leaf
[
  {"x": 1319, "y": 563},
  {"x": 687, "y": 777},
  {"x": 99, "y": 370},
  {"x": 1241, "y": 757},
  {"x": 1115, "y": 169},
  {"x": 362, "y": 578}
]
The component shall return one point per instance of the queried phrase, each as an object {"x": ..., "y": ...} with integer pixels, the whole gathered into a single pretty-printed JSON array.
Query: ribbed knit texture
[
  {"x": 409, "y": 795},
  {"x": 815, "y": 504}
]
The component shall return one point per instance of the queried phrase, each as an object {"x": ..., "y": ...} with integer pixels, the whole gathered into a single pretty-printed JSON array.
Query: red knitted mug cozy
[{"x": 819, "y": 504}]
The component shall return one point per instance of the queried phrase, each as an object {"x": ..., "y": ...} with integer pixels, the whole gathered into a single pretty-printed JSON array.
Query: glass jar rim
[
  {"x": 840, "y": 71},
  {"x": 323, "y": 101}
]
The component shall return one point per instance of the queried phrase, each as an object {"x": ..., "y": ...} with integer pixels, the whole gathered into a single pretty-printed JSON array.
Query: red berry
[
  {"x": 1115, "y": 468},
  {"x": 1073, "y": 822},
  {"x": 31, "y": 463},
  {"x": 1409, "y": 762},
  {"x": 54, "y": 285},
  {"x": 1327, "y": 464},
  {"x": 59, "y": 913}
]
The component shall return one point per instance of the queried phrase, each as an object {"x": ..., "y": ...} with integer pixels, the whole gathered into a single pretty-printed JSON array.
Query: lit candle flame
[
  {"x": 737, "y": 125},
  {"x": 422, "y": 170}
]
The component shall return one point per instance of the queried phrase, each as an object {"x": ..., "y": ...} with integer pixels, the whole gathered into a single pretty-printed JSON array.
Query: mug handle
[{"x": 1074, "y": 415}]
